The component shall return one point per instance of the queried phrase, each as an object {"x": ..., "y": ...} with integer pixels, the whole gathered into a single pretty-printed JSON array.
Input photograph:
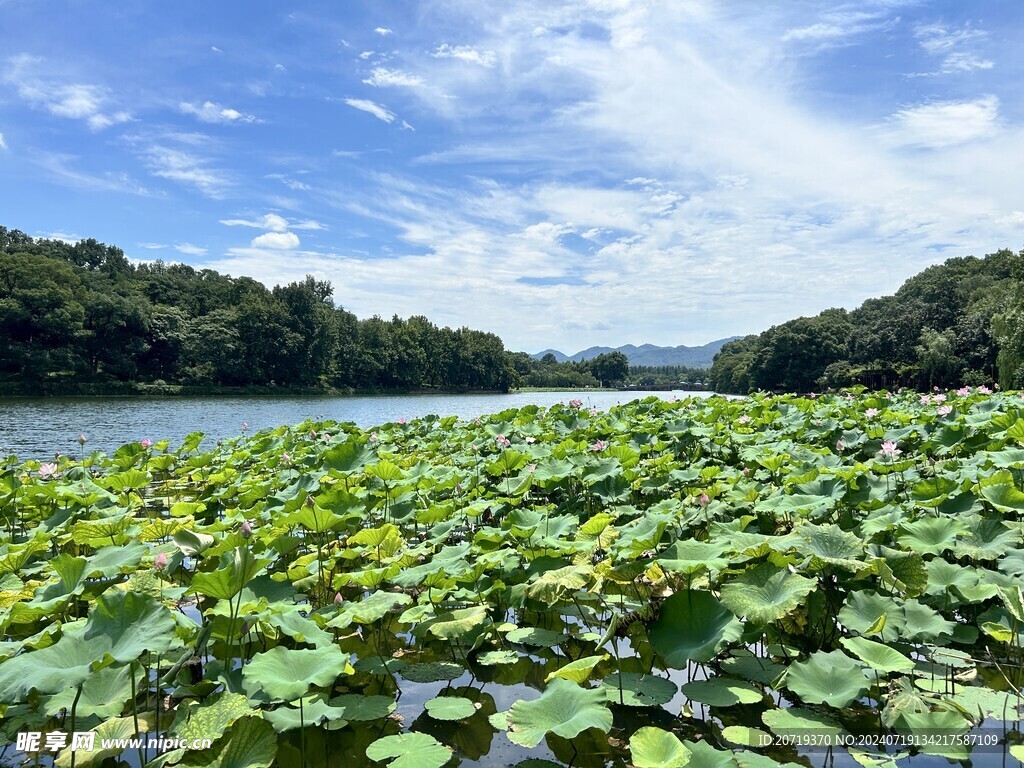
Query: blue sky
[{"x": 560, "y": 173}]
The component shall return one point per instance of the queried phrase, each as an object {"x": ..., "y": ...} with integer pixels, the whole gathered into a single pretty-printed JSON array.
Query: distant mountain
[{"x": 649, "y": 354}]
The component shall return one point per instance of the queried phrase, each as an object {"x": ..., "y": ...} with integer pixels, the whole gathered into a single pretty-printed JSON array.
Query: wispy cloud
[
  {"x": 382, "y": 77},
  {"x": 63, "y": 167},
  {"x": 179, "y": 165},
  {"x": 273, "y": 222},
  {"x": 211, "y": 112},
  {"x": 373, "y": 108},
  {"x": 190, "y": 250},
  {"x": 465, "y": 53},
  {"x": 940, "y": 40},
  {"x": 76, "y": 101},
  {"x": 384, "y": 31},
  {"x": 838, "y": 27},
  {"x": 936, "y": 125},
  {"x": 3, "y": 141}
]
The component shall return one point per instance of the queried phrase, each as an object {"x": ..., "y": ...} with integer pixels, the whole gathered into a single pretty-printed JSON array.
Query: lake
[{"x": 36, "y": 427}]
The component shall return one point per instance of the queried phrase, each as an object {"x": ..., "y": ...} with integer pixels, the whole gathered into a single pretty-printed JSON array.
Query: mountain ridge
[{"x": 648, "y": 354}]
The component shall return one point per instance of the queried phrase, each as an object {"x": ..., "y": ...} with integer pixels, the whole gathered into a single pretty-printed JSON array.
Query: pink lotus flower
[
  {"x": 744, "y": 419},
  {"x": 246, "y": 529},
  {"x": 871, "y": 413},
  {"x": 373, "y": 437},
  {"x": 160, "y": 563},
  {"x": 964, "y": 391},
  {"x": 402, "y": 420},
  {"x": 338, "y": 599},
  {"x": 704, "y": 500},
  {"x": 984, "y": 390},
  {"x": 746, "y": 471},
  {"x": 839, "y": 445},
  {"x": 939, "y": 398},
  {"x": 889, "y": 449},
  {"x": 594, "y": 411},
  {"x": 312, "y": 434},
  {"x": 945, "y": 410},
  {"x": 935, "y": 389},
  {"x": 575, "y": 403},
  {"x": 81, "y": 439},
  {"x": 146, "y": 443},
  {"x": 502, "y": 441},
  {"x": 600, "y": 445},
  {"x": 46, "y": 471},
  {"x": 925, "y": 399},
  {"x": 532, "y": 468},
  {"x": 326, "y": 438},
  {"x": 285, "y": 458}
]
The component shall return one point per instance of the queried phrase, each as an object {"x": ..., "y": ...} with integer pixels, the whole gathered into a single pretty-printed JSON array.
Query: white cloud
[
  {"x": 366, "y": 54},
  {"x": 272, "y": 222},
  {"x": 384, "y": 31},
  {"x": 74, "y": 101},
  {"x": 965, "y": 62},
  {"x": 382, "y": 77},
  {"x": 210, "y": 112},
  {"x": 186, "y": 168},
  {"x": 936, "y": 125},
  {"x": 940, "y": 40},
  {"x": 152, "y": 246},
  {"x": 3, "y": 141},
  {"x": 190, "y": 250},
  {"x": 837, "y": 27},
  {"x": 378, "y": 111},
  {"x": 465, "y": 53},
  {"x": 276, "y": 240}
]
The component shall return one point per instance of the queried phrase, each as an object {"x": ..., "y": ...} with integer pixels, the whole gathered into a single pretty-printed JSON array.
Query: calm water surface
[{"x": 36, "y": 427}]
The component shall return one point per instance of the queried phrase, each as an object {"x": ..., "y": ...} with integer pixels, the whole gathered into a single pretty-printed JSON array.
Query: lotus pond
[{"x": 711, "y": 583}]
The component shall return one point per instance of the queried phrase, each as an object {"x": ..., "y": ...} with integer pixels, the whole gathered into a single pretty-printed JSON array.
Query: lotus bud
[
  {"x": 309, "y": 500},
  {"x": 160, "y": 563},
  {"x": 81, "y": 439},
  {"x": 146, "y": 443},
  {"x": 704, "y": 500},
  {"x": 338, "y": 599},
  {"x": 246, "y": 529}
]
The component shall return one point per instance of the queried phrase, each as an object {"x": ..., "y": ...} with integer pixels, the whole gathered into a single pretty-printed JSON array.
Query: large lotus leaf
[
  {"x": 924, "y": 624},
  {"x": 985, "y": 703},
  {"x": 285, "y": 674},
  {"x": 652, "y": 747},
  {"x": 191, "y": 543},
  {"x": 564, "y": 709},
  {"x": 753, "y": 668},
  {"x": 237, "y": 568},
  {"x": 460, "y": 624},
  {"x": 872, "y": 614},
  {"x": 313, "y": 712},
  {"x": 722, "y": 692},
  {"x": 410, "y": 750},
  {"x": 703, "y": 755},
  {"x": 799, "y": 722},
  {"x": 359, "y": 707},
  {"x": 537, "y": 636},
  {"x": 1001, "y": 492},
  {"x": 113, "y": 732},
  {"x": 634, "y": 689},
  {"x": 347, "y": 457},
  {"x": 827, "y": 678},
  {"x": 299, "y": 628},
  {"x": 577, "y": 671},
  {"x": 450, "y": 708},
  {"x": 104, "y": 694},
  {"x": 560, "y": 583},
  {"x": 986, "y": 539},
  {"x": 251, "y": 743},
  {"x": 878, "y": 656},
  {"x": 765, "y": 594},
  {"x": 432, "y": 672},
  {"x": 692, "y": 626},
  {"x": 494, "y": 658},
  {"x": 931, "y": 535},
  {"x": 689, "y": 556},
  {"x": 829, "y": 546},
  {"x": 211, "y": 718},
  {"x": 122, "y": 627},
  {"x": 745, "y": 736},
  {"x": 110, "y": 561}
]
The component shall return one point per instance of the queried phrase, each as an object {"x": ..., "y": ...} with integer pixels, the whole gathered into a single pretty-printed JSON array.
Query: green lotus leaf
[
  {"x": 460, "y": 624},
  {"x": 314, "y": 712},
  {"x": 578, "y": 671},
  {"x": 191, "y": 543},
  {"x": 690, "y": 556},
  {"x": 829, "y": 546},
  {"x": 1002, "y": 493},
  {"x": 374, "y": 608},
  {"x": 746, "y": 736},
  {"x": 879, "y": 657},
  {"x": 251, "y": 743},
  {"x": 692, "y": 626},
  {"x": 450, "y": 708},
  {"x": 985, "y": 703},
  {"x": 652, "y": 747},
  {"x": 432, "y": 672},
  {"x": 537, "y": 636},
  {"x": 211, "y": 718},
  {"x": 753, "y": 668},
  {"x": 560, "y": 583},
  {"x": 703, "y": 755},
  {"x": 122, "y": 627},
  {"x": 872, "y": 614},
  {"x": 795, "y": 721},
  {"x": 112, "y": 731},
  {"x": 409, "y": 750},
  {"x": 722, "y": 692},
  {"x": 285, "y": 674},
  {"x": 104, "y": 694},
  {"x": 765, "y": 594},
  {"x": 375, "y": 665},
  {"x": 638, "y": 690},
  {"x": 110, "y": 561},
  {"x": 931, "y": 535},
  {"x": 359, "y": 707},
  {"x": 237, "y": 568},
  {"x": 827, "y": 678},
  {"x": 564, "y": 709}
]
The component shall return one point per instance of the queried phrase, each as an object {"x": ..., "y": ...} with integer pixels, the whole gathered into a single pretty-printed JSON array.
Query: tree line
[
  {"x": 956, "y": 323},
  {"x": 83, "y": 313}
]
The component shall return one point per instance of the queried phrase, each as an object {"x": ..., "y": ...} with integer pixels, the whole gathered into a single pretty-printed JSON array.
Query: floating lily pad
[
  {"x": 409, "y": 750},
  {"x": 638, "y": 690},
  {"x": 722, "y": 692},
  {"x": 432, "y": 672},
  {"x": 450, "y": 708}
]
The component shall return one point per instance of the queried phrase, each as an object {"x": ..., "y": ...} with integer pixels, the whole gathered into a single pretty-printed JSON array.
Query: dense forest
[
  {"x": 82, "y": 315},
  {"x": 960, "y": 322}
]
